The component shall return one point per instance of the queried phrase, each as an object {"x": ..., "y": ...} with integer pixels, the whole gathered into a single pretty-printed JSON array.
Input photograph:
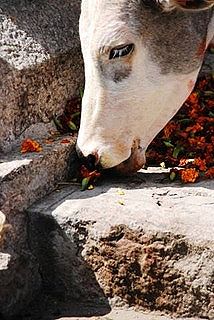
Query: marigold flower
[
  {"x": 189, "y": 175},
  {"x": 183, "y": 162},
  {"x": 210, "y": 173},
  {"x": 195, "y": 128},
  {"x": 30, "y": 145},
  {"x": 201, "y": 164},
  {"x": 198, "y": 142},
  {"x": 170, "y": 128},
  {"x": 193, "y": 98}
]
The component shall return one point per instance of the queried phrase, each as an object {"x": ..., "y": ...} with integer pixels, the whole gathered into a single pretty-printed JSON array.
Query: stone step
[
  {"x": 140, "y": 241},
  {"x": 127, "y": 315},
  {"x": 24, "y": 179},
  {"x": 84, "y": 312},
  {"x": 40, "y": 63}
]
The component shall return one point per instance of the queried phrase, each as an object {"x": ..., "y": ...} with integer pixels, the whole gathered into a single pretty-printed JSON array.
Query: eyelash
[{"x": 121, "y": 52}]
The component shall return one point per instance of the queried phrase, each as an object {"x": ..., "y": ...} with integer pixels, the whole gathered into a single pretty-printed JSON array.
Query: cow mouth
[
  {"x": 134, "y": 163},
  {"x": 129, "y": 166}
]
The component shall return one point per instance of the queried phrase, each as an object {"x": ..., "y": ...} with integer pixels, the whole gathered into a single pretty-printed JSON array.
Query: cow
[{"x": 142, "y": 59}]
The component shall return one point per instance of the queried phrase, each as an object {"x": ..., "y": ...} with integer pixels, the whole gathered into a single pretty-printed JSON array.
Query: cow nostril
[{"x": 91, "y": 161}]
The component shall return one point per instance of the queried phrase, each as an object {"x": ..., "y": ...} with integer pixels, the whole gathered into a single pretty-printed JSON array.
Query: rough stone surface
[
  {"x": 40, "y": 62},
  {"x": 128, "y": 315},
  {"x": 83, "y": 312},
  {"x": 24, "y": 178},
  {"x": 141, "y": 241}
]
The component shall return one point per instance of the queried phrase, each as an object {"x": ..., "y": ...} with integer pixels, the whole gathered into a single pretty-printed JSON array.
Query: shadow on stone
[{"x": 69, "y": 285}]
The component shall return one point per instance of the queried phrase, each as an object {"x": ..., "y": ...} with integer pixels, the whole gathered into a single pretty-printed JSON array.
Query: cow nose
[{"x": 90, "y": 161}]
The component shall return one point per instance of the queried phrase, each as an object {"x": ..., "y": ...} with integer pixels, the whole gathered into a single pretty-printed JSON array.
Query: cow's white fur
[
  {"x": 133, "y": 99},
  {"x": 111, "y": 111}
]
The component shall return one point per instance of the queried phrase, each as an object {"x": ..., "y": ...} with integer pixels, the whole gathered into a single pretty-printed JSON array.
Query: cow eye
[{"x": 120, "y": 52}]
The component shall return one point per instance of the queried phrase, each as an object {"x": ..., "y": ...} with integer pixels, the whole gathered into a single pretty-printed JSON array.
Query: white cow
[{"x": 141, "y": 59}]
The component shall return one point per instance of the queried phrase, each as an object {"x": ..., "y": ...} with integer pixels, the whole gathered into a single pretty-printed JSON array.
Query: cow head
[{"x": 141, "y": 62}]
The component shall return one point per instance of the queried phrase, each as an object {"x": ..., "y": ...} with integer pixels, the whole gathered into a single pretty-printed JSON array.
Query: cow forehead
[
  {"x": 102, "y": 22},
  {"x": 175, "y": 40}
]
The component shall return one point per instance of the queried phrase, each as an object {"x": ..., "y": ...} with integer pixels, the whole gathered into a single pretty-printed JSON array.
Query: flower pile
[{"x": 187, "y": 141}]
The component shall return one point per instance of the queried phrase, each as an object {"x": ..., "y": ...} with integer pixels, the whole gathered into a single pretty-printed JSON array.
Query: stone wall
[{"x": 40, "y": 62}]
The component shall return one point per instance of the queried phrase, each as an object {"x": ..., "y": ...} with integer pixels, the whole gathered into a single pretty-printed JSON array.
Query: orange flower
[
  {"x": 183, "y": 162},
  {"x": 193, "y": 98},
  {"x": 29, "y": 145},
  {"x": 210, "y": 173},
  {"x": 189, "y": 175},
  {"x": 169, "y": 128},
  {"x": 209, "y": 148},
  {"x": 197, "y": 127},
  {"x": 198, "y": 142},
  {"x": 201, "y": 164}
]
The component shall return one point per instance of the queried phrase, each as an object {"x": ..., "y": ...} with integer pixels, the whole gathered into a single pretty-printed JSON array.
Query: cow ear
[{"x": 192, "y": 5}]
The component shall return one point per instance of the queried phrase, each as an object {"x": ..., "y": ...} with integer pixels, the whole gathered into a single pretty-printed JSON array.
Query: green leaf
[
  {"x": 74, "y": 115},
  {"x": 211, "y": 114},
  {"x": 57, "y": 123},
  {"x": 72, "y": 126},
  {"x": 209, "y": 93},
  {"x": 85, "y": 183},
  {"x": 185, "y": 121},
  {"x": 176, "y": 151},
  {"x": 81, "y": 91},
  {"x": 168, "y": 144},
  {"x": 172, "y": 176}
]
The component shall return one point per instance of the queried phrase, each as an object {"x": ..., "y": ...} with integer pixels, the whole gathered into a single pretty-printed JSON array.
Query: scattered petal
[
  {"x": 65, "y": 141},
  {"x": 30, "y": 145}
]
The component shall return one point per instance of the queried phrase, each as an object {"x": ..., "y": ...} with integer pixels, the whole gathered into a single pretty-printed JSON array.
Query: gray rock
[
  {"x": 40, "y": 63},
  {"x": 141, "y": 241}
]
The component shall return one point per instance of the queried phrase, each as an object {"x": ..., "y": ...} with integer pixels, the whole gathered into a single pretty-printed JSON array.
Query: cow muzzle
[{"x": 132, "y": 164}]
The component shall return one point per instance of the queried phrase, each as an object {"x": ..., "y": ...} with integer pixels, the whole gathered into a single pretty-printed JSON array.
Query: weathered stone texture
[
  {"x": 40, "y": 62},
  {"x": 23, "y": 180},
  {"x": 150, "y": 244}
]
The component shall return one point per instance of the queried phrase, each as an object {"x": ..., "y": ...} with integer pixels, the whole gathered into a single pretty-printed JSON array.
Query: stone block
[
  {"x": 148, "y": 242},
  {"x": 40, "y": 63}
]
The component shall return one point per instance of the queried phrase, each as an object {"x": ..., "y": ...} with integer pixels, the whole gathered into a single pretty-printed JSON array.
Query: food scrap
[
  {"x": 121, "y": 202},
  {"x": 88, "y": 178},
  {"x": 120, "y": 192},
  {"x": 30, "y": 145}
]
